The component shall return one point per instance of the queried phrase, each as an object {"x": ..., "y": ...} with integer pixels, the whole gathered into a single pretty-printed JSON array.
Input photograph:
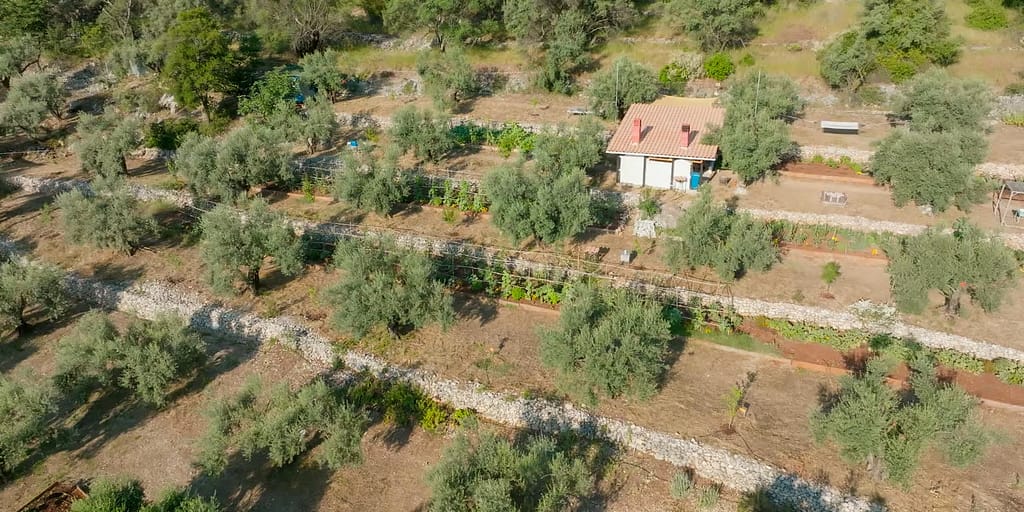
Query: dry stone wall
[
  {"x": 744, "y": 474},
  {"x": 452, "y": 248}
]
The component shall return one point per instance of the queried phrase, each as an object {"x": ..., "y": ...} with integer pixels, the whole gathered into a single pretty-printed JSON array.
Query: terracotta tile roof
[{"x": 661, "y": 127}]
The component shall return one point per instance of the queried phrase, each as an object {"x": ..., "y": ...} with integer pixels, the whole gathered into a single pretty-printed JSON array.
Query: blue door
[{"x": 694, "y": 180}]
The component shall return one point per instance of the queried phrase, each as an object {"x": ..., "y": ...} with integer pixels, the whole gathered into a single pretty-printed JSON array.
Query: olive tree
[
  {"x": 235, "y": 245},
  {"x": 318, "y": 126},
  {"x": 124, "y": 495},
  {"x": 965, "y": 263},
  {"x": 249, "y": 156},
  {"x": 888, "y": 430},
  {"x": 932, "y": 161},
  {"x": 448, "y": 77},
  {"x": 369, "y": 184},
  {"x": 935, "y": 101},
  {"x": 608, "y": 343},
  {"x": 625, "y": 83},
  {"x": 907, "y": 35},
  {"x": 148, "y": 357},
  {"x": 492, "y": 473},
  {"x": 17, "y": 54},
  {"x": 754, "y": 136},
  {"x": 549, "y": 206},
  {"x": 383, "y": 286},
  {"x": 847, "y": 60},
  {"x": 282, "y": 424},
  {"x": 26, "y": 287},
  {"x": 32, "y": 99},
  {"x": 715, "y": 236},
  {"x": 105, "y": 141},
  {"x": 27, "y": 404},
  {"x": 426, "y": 134},
  {"x": 320, "y": 72},
  {"x": 566, "y": 150},
  {"x": 717, "y": 24},
  {"x": 110, "y": 219}
]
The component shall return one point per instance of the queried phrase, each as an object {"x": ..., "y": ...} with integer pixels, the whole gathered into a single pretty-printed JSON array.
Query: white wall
[
  {"x": 631, "y": 170},
  {"x": 659, "y": 174},
  {"x": 681, "y": 170}
]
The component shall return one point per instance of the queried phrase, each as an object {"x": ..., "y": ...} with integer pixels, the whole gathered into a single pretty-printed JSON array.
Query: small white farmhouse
[{"x": 659, "y": 144}]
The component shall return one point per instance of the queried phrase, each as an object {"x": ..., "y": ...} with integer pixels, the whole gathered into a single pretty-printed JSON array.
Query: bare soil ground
[
  {"x": 113, "y": 436},
  {"x": 497, "y": 345}
]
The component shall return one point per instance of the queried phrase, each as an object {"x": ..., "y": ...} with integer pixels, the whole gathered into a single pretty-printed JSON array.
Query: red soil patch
[
  {"x": 825, "y": 359},
  {"x": 815, "y": 171}
]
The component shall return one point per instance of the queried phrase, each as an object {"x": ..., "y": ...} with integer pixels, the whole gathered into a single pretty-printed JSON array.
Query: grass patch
[{"x": 738, "y": 340}]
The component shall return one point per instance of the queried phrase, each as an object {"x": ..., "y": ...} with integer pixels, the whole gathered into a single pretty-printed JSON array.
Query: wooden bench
[{"x": 834, "y": 198}]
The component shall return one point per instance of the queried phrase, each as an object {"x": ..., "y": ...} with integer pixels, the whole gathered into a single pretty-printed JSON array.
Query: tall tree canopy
[
  {"x": 235, "y": 246},
  {"x": 447, "y": 20},
  {"x": 908, "y": 34},
  {"x": 608, "y": 343},
  {"x": 17, "y": 54},
  {"x": 200, "y": 59},
  {"x": 382, "y": 286},
  {"x": 967, "y": 262}
]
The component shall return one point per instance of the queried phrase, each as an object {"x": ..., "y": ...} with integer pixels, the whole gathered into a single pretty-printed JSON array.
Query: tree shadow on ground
[
  {"x": 474, "y": 307},
  {"x": 29, "y": 204},
  {"x": 17, "y": 347},
  {"x": 252, "y": 485},
  {"x": 151, "y": 167}
]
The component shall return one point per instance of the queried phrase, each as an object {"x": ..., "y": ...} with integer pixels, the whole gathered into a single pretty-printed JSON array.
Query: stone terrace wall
[
  {"x": 735, "y": 471},
  {"x": 744, "y": 306}
]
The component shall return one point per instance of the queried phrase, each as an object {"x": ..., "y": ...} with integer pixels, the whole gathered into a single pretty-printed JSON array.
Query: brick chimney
[
  {"x": 637, "y": 130},
  {"x": 684, "y": 136}
]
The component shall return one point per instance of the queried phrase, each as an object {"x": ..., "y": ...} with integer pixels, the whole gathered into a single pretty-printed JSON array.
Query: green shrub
[
  {"x": 386, "y": 287},
  {"x": 25, "y": 287},
  {"x": 709, "y": 497},
  {"x": 708, "y": 234},
  {"x": 428, "y": 135},
  {"x": 169, "y": 133},
  {"x": 681, "y": 485},
  {"x": 1014, "y": 119},
  {"x": 110, "y": 219},
  {"x": 148, "y": 358},
  {"x": 987, "y": 15},
  {"x": 747, "y": 60},
  {"x": 493, "y": 473},
  {"x": 26, "y": 405},
  {"x": 959, "y": 361},
  {"x": 1010, "y": 372},
  {"x": 719, "y": 66},
  {"x": 608, "y": 343},
  {"x": 123, "y": 495},
  {"x": 282, "y": 424}
]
